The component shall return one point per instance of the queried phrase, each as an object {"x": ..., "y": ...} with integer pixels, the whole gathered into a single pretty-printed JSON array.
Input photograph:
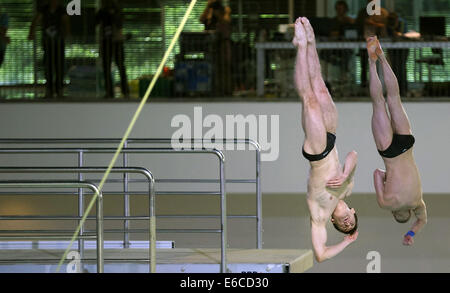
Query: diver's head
[
  {"x": 344, "y": 218},
  {"x": 402, "y": 216}
]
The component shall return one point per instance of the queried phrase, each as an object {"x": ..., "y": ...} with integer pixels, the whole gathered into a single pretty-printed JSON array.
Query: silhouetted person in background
[
  {"x": 110, "y": 19},
  {"x": 4, "y": 39},
  {"x": 370, "y": 25},
  {"x": 212, "y": 14},
  {"x": 55, "y": 26},
  {"x": 340, "y": 23},
  {"x": 217, "y": 17}
]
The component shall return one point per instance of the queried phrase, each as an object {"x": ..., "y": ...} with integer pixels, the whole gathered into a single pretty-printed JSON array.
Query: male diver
[
  {"x": 328, "y": 182},
  {"x": 398, "y": 188}
]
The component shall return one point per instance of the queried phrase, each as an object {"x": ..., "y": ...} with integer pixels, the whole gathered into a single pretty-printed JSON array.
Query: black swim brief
[
  {"x": 400, "y": 144},
  {"x": 331, "y": 139}
]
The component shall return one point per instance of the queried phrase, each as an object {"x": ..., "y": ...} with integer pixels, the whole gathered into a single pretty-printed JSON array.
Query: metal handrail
[
  {"x": 121, "y": 193},
  {"x": 67, "y": 184},
  {"x": 256, "y": 145},
  {"x": 116, "y": 218},
  {"x": 138, "y": 170},
  {"x": 115, "y": 140},
  {"x": 215, "y": 152},
  {"x": 57, "y": 232}
]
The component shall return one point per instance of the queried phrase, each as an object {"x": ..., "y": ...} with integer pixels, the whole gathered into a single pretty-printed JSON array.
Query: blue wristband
[{"x": 410, "y": 233}]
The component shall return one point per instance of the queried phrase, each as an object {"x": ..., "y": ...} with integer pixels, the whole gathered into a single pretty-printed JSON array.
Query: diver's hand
[
  {"x": 337, "y": 181},
  {"x": 408, "y": 240},
  {"x": 351, "y": 238}
]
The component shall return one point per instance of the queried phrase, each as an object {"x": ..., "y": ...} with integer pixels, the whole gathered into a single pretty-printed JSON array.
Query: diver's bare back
[
  {"x": 402, "y": 186},
  {"x": 321, "y": 199}
]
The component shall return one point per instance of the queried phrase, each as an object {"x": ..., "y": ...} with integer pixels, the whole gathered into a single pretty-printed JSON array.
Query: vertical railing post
[
  {"x": 223, "y": 206},
  {"x": 259, "y": 228},
  {"x": 152, "y": 225},
  {"x": 80, "y": 204},
  {"x": 100, "y": 240},
  {"x": 126, "y": 204}
]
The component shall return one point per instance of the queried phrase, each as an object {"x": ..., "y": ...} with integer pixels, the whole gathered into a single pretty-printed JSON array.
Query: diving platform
[{"x": 177, "y": 260}]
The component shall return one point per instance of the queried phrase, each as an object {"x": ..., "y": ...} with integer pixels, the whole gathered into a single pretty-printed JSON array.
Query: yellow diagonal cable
[{"x": 130, "y": 128}]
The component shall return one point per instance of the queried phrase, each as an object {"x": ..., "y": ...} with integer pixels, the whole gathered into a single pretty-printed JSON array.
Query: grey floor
[{"x": 286, "y": 226}]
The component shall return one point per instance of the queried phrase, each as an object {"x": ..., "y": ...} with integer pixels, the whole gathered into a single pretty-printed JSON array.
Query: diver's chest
[{"x": 326, "y": 200}]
